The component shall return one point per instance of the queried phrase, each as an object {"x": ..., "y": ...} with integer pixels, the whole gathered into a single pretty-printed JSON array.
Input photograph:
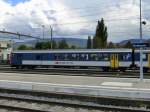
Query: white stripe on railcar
[
  {"x": 75, "y": 63},
  {"x": 124, "y": 64},
  {"x": 145, "y": 63},
  {"x": 67, "y": 63}
]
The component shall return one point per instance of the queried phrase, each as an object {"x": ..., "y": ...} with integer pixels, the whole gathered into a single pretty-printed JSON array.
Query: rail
[{"x": 18, "y": 96}]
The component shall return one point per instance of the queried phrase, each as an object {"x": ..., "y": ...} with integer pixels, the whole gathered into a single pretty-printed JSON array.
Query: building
[{"x": 5, "y": 51}]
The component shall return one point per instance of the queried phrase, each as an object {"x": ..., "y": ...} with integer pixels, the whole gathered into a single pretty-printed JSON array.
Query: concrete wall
[{"x": 5, "y": 50}]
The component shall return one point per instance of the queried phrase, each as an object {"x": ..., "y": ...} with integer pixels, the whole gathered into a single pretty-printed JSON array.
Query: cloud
[
  {"x": 71, "y": 17},
  {"x": 26, "y": 16}
]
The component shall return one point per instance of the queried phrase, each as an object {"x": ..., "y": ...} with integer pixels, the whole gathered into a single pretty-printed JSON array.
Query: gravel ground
[{"x": 52, "y": 108}]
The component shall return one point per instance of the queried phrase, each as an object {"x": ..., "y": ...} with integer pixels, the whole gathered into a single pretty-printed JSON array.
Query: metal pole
[
  {"x": 141, "y": 53},
  {"x": 12, "y": 44},
  {"x": 51, "y": 36},
  {"x": 43, "y": 31}
]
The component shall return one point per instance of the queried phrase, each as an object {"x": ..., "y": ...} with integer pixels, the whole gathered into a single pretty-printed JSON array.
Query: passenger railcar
[
  {"x": 146, "y": 59},
  {"x": 103, "y": 58}
]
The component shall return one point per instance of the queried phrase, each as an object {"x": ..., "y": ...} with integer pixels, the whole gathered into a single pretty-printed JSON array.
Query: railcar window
[
  {"x": 56, "y": 57},
  {"x": 94, "y": 57},
  {"x": 87, "y": 57},
  {"x": 103, "y": 57},
  {"x": 38, "y": 57},
  {"x": 77, "y": 57},
  {"x": 106, "y": 57},
  {"x": 19, "y": 56},
  {"x": 144, "y": 57},
  {"x": 73, "y": 56},
  {"x": 65, "y": 57},
  {"x": 125, "y": 56},
  {"x": 83, "y": 57}
]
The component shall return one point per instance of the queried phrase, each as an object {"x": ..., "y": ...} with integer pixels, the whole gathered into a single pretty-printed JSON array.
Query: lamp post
[
  {"x": 51, "y": 29},
  {"x": 43, "y": 31},
  {"x": 141, "y": 36}
]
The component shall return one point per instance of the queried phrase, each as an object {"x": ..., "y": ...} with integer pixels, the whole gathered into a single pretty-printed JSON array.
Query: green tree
[
  {"x": 54, "y": 44},
  {"x": 101, "y": 35},
  {"x": 24, "y": 47},
  {"x": 63, "y": 44},
  {"x": 46, "y": 45},
  {"x": 38, "y": 45},
  {"x": 43, "y": 45},
  {"x": 128, "y": 45},
  {"x": 73, "y": 47},
  {"x": 89, "y": 43},
  {"x": 110, "y": 45}
]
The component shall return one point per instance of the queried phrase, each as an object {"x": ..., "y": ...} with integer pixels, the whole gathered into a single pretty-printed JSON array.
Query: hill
[{"x": 71, "y": 41}]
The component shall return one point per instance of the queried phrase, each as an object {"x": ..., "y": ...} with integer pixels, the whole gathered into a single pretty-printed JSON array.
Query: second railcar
[{"x": 146, "y": 59}]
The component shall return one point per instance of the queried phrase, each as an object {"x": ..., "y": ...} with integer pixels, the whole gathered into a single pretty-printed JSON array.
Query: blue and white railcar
[
  {"x": 146, "y": 58},
  {"x": 104, "y": 58}
]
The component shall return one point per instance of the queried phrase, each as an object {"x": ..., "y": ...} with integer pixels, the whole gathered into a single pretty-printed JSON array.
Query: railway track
[
  {"x": 93, "y": 108},
  {"x": 20, "y": 109},
  {"x": 75, "y": 72}
]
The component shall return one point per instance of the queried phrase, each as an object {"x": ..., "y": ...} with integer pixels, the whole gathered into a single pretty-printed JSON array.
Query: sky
[{"x": 75, "y": 18}]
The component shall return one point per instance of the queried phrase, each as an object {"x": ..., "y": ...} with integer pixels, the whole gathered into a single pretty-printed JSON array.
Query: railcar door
[
  {"x": 114, "y": 62},
  {"x": 148, "y": 60}
]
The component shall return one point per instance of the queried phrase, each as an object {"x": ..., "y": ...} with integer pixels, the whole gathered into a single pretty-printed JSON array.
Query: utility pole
[
  {"x": 18, "y": 35},
  {"x": 141, "y": 37},
  {"x": 43, "y": 31},
  {"x": 51, "y": 29}
]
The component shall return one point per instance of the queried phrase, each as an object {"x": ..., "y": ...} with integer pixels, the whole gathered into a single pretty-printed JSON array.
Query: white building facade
[{"x": 5, "y": 51}]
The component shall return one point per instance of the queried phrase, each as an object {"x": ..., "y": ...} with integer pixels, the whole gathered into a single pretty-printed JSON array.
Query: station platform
[{"x": 78, "y": 85}]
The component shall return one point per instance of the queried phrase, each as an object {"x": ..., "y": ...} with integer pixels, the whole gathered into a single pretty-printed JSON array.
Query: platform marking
[
  {"x": 117, "y": 84},
  {"x": 76, "y": 86}
]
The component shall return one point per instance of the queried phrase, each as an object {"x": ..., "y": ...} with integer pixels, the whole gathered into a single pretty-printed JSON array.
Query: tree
[
  {"x": 73, "y": 47},
  {"x": 47, "y": 45},
  {"x": 43, "y": 45},
  {"x": 100, "y": 38},
  {"x": 24, "y": 47},
  {"x": 111, "y": 45},
  {"x": 54, "y": 44},
  {"x": 38, "y": 45},
  {"x": 89, "y": 43},
  {"x": 128, "y": 45},
  {"x": 63, "y": 44}
]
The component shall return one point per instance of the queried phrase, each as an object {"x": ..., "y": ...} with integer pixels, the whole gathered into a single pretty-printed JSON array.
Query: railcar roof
[{"x": 73, "y": 51}]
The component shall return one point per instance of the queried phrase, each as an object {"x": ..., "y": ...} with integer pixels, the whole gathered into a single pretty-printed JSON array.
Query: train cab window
[
  {"x": 19, "y": 56},
  {"x": 12, "y": 54}
]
